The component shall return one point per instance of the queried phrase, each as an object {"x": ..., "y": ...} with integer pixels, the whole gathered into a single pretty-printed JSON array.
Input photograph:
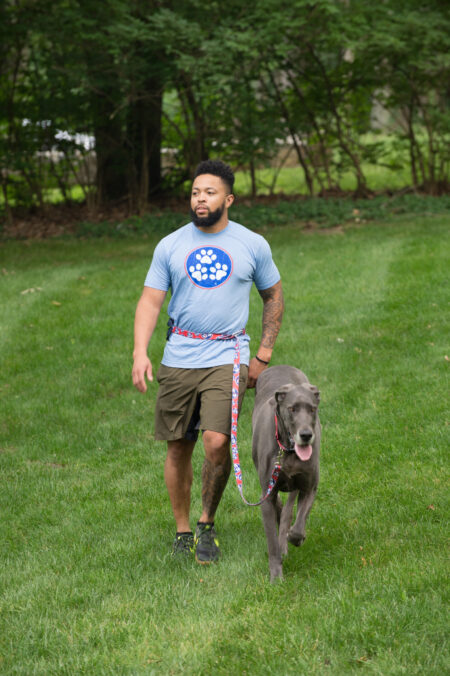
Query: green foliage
[
  {"x": 88, "y": 584},
  {"x": 409, "y": 56},
  {"x": 160, "y": 86}
]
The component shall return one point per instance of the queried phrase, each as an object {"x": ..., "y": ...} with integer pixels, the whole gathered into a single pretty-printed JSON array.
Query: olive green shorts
[{"x": 190, "y": 400}]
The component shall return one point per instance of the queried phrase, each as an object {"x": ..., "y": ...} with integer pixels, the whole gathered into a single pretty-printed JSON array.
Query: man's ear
[{"x": 229, "y": 199}]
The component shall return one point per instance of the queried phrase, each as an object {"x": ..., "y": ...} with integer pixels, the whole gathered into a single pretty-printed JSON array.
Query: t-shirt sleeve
[
  {"x": 266, "y": 272},
  {"x": 158, "y": 276}
]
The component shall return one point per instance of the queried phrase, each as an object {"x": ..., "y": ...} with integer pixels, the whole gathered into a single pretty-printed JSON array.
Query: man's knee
[
  {"x": 179, "y": 450},
  {"x": 217, "y": 446}
]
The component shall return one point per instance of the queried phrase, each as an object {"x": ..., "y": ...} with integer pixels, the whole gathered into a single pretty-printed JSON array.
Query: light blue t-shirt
[{"x": 210, "y": 276}]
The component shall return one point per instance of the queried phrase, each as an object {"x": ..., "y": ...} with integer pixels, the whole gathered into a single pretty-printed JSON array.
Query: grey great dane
[{"x": 285, "y": 421}]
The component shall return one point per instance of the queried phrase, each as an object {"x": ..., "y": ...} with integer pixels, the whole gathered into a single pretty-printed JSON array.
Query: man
[{"x": 209, "y": 265}]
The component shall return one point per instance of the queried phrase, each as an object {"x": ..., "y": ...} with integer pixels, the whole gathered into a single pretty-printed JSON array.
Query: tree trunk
[
  {"x": 154, "y": 141},
  {"x": 343, "y": 141},
  {"x": 111, "y": 178},
  {"x": 253, "y": 178},
  {"x": 293, "y": 133},
  {"x": 317, "y": 128},
  {"x": 412, "y": 154},
  {"x": 9, "y": 215},
  {"x": 194, "y": 149},
  {"x": 144, "y": 145}
]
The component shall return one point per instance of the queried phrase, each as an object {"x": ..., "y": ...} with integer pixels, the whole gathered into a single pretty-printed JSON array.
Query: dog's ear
[
  {"x": 313, "y": 389},
  {"x": 280, "y": 395}
]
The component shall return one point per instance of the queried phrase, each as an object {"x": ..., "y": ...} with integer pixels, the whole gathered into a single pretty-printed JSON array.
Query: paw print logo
[{"x": 208, "y": 267}]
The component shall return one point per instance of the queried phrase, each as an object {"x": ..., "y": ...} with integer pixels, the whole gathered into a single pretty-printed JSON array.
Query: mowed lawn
[{"x": 87, "y": 582}]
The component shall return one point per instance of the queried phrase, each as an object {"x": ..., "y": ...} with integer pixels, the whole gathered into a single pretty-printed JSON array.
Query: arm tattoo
[{"x": 272, "y": 314}]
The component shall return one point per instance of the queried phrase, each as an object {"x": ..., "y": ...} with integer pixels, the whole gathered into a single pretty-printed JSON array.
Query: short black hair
[{"x": 216, "y": 168}]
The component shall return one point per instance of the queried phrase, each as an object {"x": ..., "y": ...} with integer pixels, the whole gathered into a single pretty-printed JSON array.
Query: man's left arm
[{"x": 271, "y": 322}]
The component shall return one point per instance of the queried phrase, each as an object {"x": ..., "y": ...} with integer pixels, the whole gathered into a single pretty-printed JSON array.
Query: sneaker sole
[{"x": 206, "y": 563}]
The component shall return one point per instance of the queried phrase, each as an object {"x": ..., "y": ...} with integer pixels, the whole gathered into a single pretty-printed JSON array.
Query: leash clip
[{"x": 170, "y": 324}]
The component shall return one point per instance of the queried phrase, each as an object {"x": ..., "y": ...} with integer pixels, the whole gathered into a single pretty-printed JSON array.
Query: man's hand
[
  {"x": 142, "y": 367},
  {"x": 147, "y": 313},
  {"x": 255, "y": 368}
]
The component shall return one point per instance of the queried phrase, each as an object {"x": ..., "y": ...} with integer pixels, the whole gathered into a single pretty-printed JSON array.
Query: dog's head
[{"x": 297, "y": 407}]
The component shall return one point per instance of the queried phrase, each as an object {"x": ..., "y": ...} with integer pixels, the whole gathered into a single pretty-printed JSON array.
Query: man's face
[{"x": 209, "y": 198}]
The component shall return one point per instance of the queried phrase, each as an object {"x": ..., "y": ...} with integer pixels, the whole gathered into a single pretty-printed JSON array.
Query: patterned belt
[{"x": 234, "y": 405}]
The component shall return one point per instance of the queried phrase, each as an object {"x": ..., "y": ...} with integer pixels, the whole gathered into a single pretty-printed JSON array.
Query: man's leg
[
  {"x": 178, "y": 477},
  {"x": 215, "y": 414},
  {"x": 215, "y": 472}
]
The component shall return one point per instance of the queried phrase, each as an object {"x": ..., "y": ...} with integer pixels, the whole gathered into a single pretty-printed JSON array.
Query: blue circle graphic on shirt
[{"x": 208, "y": 266}]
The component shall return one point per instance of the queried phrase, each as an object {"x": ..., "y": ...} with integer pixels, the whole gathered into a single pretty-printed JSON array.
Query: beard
[{"x": 209, "y": 220}]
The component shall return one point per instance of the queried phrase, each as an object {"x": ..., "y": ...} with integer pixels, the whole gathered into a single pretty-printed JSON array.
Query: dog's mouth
[
  {"x": 303, "y": 447},
  {"x": 303, "y": 452}
]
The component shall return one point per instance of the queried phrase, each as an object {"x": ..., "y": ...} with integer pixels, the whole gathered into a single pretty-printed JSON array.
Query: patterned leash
[{"x": 234, "y": 407}]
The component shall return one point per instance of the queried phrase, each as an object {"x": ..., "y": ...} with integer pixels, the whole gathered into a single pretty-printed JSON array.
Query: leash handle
[{"x": 234, "y": 409}]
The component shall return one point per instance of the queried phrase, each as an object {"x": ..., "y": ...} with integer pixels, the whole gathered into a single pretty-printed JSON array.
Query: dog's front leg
[
  {"x": 297, "y": 533},
  {"x": 285, "y": 522},
  {"x": 269, "y": 516}
]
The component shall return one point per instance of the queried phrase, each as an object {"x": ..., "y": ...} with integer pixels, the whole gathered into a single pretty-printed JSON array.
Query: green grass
[
  {"x": 291, "y": 180},
  {"x": 87, "y": 583},
  {"x": 54, "y": 195},
  {"x": 388, "y": 170}
]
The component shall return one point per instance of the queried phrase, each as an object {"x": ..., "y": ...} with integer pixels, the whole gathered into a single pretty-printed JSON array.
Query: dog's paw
[
  {"x": 296, "y": 539},
  {"x": 276, "y": 571},
  {"x": 276, "y": 577},
  {"x": 283, "y": 547}
]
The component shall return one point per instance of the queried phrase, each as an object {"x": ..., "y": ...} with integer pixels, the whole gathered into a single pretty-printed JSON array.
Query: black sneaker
[
  {"x": 183, "y": 544},
  {"x": 206, "y": 544}
]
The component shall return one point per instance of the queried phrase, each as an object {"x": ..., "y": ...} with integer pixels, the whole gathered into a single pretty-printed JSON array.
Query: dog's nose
[{"x": 305, "y": 436}]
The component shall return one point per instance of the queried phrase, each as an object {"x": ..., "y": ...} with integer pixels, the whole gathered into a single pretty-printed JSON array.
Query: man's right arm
[{"x": 147, "y": 312}]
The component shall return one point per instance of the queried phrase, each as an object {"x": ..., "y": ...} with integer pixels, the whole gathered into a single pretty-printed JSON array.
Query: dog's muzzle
[{"x": 303, "y": 441}]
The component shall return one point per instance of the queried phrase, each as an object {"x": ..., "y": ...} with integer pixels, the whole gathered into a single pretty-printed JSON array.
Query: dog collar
[{"x": 281, "y": 447}]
